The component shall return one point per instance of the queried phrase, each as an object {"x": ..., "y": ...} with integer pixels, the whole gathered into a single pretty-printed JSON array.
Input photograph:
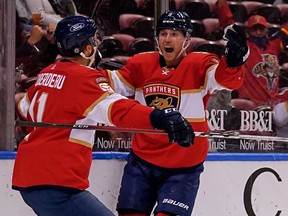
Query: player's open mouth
[{"x": 169, "y": 49}]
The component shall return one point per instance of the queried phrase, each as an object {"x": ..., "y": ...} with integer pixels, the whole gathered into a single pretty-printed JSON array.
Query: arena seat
[
  {"x": 141, "y": 45},
  {"x": 110, "y": 46},
  {"x": 137, "y": 25},
  {"x": 126, "y": 21},
  {"x": 139, "y": 3},
  {"x": 125, "y": 39},
  {"x": 238, "y": 10},
  {"x": 198, "y": 28},
  {"x": 197, "y": 9},
  {"x": 176, "y": 4},
  {"x": 251, "y": 6},
  {"x": 146, "y": 7},
  {"x": 212, "y": 31},
  {"x": 211, "y": 47},
  {"x": 212, "y": 5},
  {"x": 270, "y": 12},
  {"x": 284, "y": 11},
  {"x": 193, "y": 42},
  {"x": 110, "y": 64},
  {"x": 266, "y": 1},
  {"x": 144, "y": 27}
]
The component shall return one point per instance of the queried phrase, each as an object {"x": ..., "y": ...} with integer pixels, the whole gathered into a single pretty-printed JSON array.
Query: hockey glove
[
  {"x": 172, "y": 122},
  {"x": 237, "y": 51}
]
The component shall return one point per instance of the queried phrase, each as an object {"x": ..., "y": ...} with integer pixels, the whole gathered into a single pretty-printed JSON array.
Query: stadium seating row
[{"x": 201, "y": 9}]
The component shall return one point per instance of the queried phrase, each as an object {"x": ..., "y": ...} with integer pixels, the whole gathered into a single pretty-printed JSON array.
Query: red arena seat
[
  {"x": 198, "y": 28},
  {"x": 197, "y": 9},
  {"x": 211, "y": 47},
  {"x": 125, "y": 39},
  {"x": 251, "y": 6},
  {"x": 127, "y": 20},
  {"x": 141, "y": 45},
  {"x": 239, "y": 11},
  {"x": 193, "y": 42}
]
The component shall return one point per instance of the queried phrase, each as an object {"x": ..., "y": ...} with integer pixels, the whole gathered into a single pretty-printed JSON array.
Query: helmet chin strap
[
  {"x": 184, "y": 47},
  {"x": 157, "y": 46},
  {"x": 90, "y": 58}
]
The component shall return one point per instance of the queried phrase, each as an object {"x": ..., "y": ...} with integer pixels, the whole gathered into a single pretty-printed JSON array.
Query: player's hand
[
  {"x": 237, "y": 51},
  {"x": 172, "y": 122}
]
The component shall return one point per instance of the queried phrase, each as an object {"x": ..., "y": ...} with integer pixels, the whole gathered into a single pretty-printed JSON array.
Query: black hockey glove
[
  {"x": 237, "y": 51},
  {"x": 172, "y": 122}
]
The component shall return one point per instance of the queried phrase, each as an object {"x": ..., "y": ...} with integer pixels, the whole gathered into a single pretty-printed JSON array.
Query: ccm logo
[{"x": 176, "y": 203}]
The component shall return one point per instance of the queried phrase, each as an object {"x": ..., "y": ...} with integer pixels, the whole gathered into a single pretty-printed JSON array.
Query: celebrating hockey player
[
  {"x": 156, "y": 171},
  {"x": 52, "y": 164}
]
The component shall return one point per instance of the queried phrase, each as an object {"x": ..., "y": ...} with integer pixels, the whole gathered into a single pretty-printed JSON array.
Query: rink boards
[{"x": 232, "y": 184}]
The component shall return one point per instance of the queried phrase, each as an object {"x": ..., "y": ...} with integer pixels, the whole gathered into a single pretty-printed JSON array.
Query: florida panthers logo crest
[
  {"x": 269, "y": 69},
  {"x": 162, "y": 95}
]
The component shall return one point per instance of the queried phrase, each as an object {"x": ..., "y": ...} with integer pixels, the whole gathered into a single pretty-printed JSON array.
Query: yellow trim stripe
[
  {"x": 106, "y": 94},
  {"x": 80, "y": 142},
  {"x": 123, "y": 80},
  {"x": 109, "y": 112},
  {"x": 285, "y": 31},
  {"x": 195, "y": 119}
]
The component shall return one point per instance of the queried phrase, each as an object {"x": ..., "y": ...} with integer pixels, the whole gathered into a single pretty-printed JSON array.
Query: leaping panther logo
[
  {"x": 162, "y": 103},
  {"x": 269, "y": 69}
]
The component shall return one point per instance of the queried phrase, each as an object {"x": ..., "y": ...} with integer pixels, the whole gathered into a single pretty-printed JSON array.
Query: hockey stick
[
  {"x": 224, "y": 135},
  {"x": 95, "y": 9},
  {"x": 88, "y": 127}
]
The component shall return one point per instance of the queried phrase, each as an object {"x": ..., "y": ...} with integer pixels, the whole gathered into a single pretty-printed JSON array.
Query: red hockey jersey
[
  {"x": 186, "y": 87},
  {"x": 66, "y": 92}
]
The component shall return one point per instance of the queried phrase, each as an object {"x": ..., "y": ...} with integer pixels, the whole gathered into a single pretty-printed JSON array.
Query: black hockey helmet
[
  {"x": 72, "y": 33},
  {"x": 177, "y": 19}
]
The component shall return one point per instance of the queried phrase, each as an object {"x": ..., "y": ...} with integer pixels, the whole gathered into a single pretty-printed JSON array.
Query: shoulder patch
[
  {"x": 103, "y": 83},
  {"x": 102, "y": 80},
  {"x": 105, "y": 87}
]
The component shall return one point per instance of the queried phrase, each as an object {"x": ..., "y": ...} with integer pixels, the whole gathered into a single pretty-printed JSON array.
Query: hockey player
[
  {"x": 52, "y": 164},
  {"x": 156, "y": 171}
]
